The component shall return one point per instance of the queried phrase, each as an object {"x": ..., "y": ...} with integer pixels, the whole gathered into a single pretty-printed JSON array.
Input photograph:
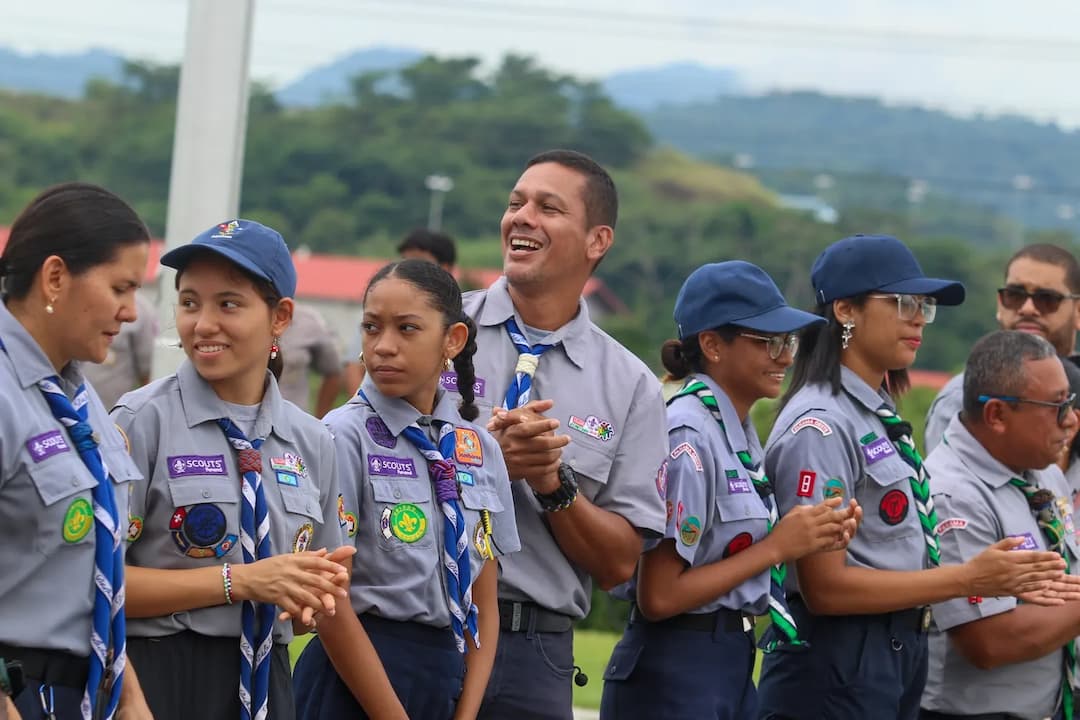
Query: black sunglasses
[
  {"x": 1013, "y": 297},
  {"x": 1063, "y": 408}
]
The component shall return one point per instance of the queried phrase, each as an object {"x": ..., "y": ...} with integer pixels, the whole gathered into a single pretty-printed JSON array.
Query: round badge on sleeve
[
  {"x": 78, "y": 520},
  {"x": 408, "y": 522},
  {"x": 690, "y": 530},
  {"x": 893, "y": 508}
]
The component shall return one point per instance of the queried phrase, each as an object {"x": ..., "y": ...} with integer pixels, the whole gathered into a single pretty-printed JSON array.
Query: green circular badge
[
  {"x": 690, "y": 530},
  {"x": 833, "y": 488},
  {"x": 408, "y": 522},
  {"x": 78, "y": 521}
]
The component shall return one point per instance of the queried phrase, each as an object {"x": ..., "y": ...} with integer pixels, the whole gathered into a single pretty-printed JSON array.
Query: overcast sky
[{"x": 970, "y": 55}]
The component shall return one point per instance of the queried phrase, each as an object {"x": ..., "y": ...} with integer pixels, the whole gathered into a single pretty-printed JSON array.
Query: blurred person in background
[
  {"x": 127, "y": 366},
  {"x": 308, "y": 344}
]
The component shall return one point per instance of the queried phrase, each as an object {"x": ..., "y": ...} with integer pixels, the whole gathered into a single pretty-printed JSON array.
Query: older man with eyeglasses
[{"x": 1042, "y": 286}]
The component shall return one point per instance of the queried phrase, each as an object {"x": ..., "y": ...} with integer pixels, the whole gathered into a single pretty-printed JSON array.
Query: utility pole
[
  {"x": 208, "y": 149},
  {"x": 439, "y": 185}
]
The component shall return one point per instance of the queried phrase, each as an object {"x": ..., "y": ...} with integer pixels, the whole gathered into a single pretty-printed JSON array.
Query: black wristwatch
[{"x": 564, "y": 495}]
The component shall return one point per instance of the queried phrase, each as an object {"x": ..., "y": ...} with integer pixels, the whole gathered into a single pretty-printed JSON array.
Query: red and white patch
[
  {"x": 812, "y": 422},
  {"x": 807, "y": 479},
  {"x": 688, "y": 449},
  {"x": 950, "y": 524}
]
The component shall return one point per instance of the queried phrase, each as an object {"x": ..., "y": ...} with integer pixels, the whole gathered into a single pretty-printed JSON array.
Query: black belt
[
  {"x": 51, "y": 667},
  {"x": 521, "y": 617},
  {"x": 729, "y": 620},
  {"x": 917, "y": 619}
]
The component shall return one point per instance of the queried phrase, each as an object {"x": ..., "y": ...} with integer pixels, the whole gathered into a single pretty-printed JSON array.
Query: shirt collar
[
  {"x": 201, "y": 404},
  {"x": 499, "y": 306},
  {"x": 28, "y": 359},
  {"x": 740, "y": 435},
  {"x": 397, "y": 414},
  {"x": 857, "y": 388},
  {"x": 971, "y": 453}
]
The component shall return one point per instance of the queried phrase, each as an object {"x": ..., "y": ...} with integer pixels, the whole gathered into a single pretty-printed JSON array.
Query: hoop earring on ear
[
  {"x": 274, "y": 348},
  {"x": 845, "y": 337}
]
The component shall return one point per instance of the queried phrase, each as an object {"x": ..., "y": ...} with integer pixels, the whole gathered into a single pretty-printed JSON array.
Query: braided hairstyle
[{"x": 444, "y": 295}]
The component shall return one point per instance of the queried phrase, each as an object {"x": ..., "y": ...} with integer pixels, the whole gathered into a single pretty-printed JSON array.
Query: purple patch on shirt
[
  {"x": 46, "y": 445},
  {"x": 391, "y": 466},
  {"x": 1029, "y": 542},
  {"x": 448, "y": 381},
  {"x": 184, "y": 465},
  {"x": 381, "y": 434},
  {"x": 737, "y": 485},
  {"x": 877, "y": 450}
]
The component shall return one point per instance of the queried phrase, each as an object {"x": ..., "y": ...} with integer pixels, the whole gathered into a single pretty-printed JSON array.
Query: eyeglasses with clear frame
[
  {"x": 907, "y": 306},
  {"x": 1063, "y": 408},
  {"x": 777, "y": 343}
]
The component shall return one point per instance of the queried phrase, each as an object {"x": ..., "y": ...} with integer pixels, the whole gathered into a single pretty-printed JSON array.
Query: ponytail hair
[
  {"x": 685, "y": 357},
  {"x": 466, "y": 373}
]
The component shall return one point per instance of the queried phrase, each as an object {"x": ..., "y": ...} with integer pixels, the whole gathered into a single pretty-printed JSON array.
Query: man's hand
[{"x": 530, "y": 447}]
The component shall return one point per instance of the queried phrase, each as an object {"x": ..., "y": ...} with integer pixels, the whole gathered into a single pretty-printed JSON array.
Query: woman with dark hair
[
  {"x": 239, "y": 489},
  {"x": 68, "y": 275},
  {"x": 426, "y": 497},
  {"x": 863, "y": 611},
  {"x": 689, "y": 648}
]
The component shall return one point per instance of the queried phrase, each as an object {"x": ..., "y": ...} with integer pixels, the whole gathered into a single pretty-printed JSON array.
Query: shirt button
[
  {"x": 206, "y": 493},
  {"x": 397, "y": 494},
  {"x": 310, "y": 509},
  {"x": 74, "y": 482}
]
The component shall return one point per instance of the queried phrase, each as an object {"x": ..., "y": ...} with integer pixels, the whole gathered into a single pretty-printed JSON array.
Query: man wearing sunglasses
[
  {"x": 994, "y": 478},
  {"x": 1040, "y": 296}
]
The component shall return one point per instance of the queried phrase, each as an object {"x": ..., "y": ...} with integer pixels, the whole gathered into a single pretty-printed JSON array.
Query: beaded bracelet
[{"x": 226, "y": 579}]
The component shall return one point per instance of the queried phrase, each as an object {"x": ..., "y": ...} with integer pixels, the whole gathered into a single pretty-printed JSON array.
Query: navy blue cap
[
  {"x": 876, "y": 263},
  {"x": 735, "y": 293},
  {"x": 254, "y": 247}
]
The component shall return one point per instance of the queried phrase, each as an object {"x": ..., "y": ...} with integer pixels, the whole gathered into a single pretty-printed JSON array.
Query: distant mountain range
[{"x": 641, "y": 89}]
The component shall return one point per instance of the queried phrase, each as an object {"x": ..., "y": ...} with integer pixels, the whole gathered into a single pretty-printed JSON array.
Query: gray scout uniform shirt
[
  {"x": 307, "y": 344},
  {"x": 713, "y": 510},
  {"x": 46, "y": 516},
  {"x": 388, "y": 506},
  {"x": 186, "y": 512},
  {"x": 977, "y": 507},
  {"x": 947, "y": 405},
  {"x": 609, "y": 403},
  {"x": 130, "y": 354},
  {"x": 826, "y": 445}
]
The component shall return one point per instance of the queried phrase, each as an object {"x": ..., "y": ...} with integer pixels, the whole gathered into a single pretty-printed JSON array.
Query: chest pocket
[
  {"x": 741, "y": 506},
  {"x": 301, "y": 501},
  {"x": 887, "y": 502},
  {"x": 481, "y": 497},
  {"x": 589, "y": 460},
  {"x": 404, "y": 512}
]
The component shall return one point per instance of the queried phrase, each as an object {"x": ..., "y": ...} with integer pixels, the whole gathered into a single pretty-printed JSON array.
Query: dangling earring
[
  {"x": 49, "y": 308},
  {"x": 360, "y": 358},
  {"x": 274, "y": 348},
  {"x": 449, "y": 365},
  {"x": 845, "y": 337}
]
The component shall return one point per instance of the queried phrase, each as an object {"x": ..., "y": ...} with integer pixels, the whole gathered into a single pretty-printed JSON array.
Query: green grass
[{"x": 592, "y": 649}]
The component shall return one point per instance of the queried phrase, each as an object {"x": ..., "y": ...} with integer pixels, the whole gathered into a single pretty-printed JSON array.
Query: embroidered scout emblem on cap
[
  {"x": 738, "y": 543},
  {"x": 408, "y": 522},
  {"x": 467, "y": 448},
  {"x": 135, "y": 526},
  {"x": 201, "y": 531},
  {"x": 78, "y": 520},
  {"x": 834, "y": 487},
  {"x": 377, "y": 431},
  {"x": 593, "y": 427},
  {"x": 303, "y": 537},
  {"x": 226, "y": 230},
  {"x": 893, "y": 508},
  {"x": 690, "y": 530},
  {"x": 812, "y": 422}
]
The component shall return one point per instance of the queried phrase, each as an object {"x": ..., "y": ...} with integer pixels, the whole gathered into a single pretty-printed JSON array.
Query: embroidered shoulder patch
[
  {"x": 467, "y": 448},
  {"x": 950, "y": 524},
  {"x": 811, "y": 422},
  {"x": 686, "y": 448}
]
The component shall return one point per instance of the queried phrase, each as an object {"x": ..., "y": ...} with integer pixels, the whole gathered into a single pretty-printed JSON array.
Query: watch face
[{"x": 567, "y": 475}]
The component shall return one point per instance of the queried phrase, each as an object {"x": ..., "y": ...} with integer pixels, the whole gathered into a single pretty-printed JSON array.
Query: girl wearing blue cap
[
  {"x": 239, "y": 488},
  {"x": 427, "y": 502},
  {"x": 68, "y": 276},
  {"x": 863, "y": 610},
  {"x": 689, "y": 648}
]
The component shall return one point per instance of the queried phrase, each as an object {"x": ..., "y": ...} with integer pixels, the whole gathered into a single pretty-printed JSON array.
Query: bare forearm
[
  {"x": 358, "y": 665},
  {"x": 328, "y": 392},
  {"x": 479, "y": 662},
  {"x": 1025, "y": 633},
  {"x": 152, "y": 592},
  {"x": 852, "y": 590},
  {"x": 662, "y": 594},
  {"x": 601, "y": 543}
]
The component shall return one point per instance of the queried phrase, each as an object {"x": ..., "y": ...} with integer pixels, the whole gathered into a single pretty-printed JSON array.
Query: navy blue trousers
[
  {"x": 66, "y": 702},
  {"x": 531, "y": 679},
  {"x": 425, "y": 669},
  {"x": 857, "y": 667},
  {"x": 662, "y": 672}
]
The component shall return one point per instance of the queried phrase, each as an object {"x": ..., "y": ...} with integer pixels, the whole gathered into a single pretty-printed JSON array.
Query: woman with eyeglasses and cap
[
  {"x": 689, "y": 648},
  {"x": 863, "y": 611},
  {"x": 238, "y": 502}
]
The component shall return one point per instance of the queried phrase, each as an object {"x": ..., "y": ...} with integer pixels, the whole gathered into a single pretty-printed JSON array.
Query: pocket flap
[
  {"x": 481, "y": 498},
  {"x": 623, "y": 661},
  {"x": 301, "y": 502},
  {"x": 195, "y": 490},
  {"x": 400, "y": 490}
]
